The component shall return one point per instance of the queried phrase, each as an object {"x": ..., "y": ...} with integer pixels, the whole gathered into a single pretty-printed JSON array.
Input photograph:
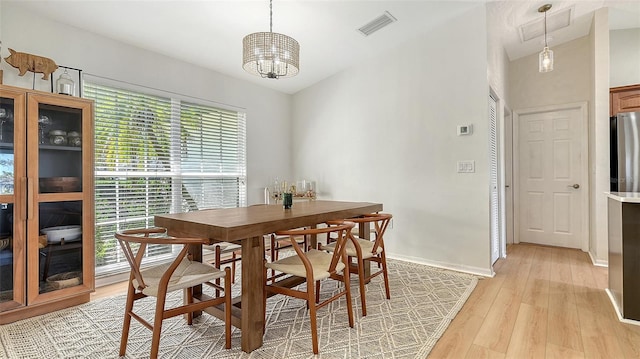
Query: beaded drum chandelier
[{"x": 270, "y": 54}]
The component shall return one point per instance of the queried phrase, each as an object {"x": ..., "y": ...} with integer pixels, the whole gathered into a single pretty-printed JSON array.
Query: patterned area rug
[{"x": 423, "y": 302}]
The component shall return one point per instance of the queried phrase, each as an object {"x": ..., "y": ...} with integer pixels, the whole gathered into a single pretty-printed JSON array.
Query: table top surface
[{"x": 236, "y": 223}]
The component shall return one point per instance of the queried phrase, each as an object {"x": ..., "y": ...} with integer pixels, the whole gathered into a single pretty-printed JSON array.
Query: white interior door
[{"x": 552, "y": 179}]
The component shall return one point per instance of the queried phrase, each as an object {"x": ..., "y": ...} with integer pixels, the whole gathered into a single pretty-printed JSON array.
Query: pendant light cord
[
  {"x": 271, "y": 19},
  {"x": 545, "y": 28}
]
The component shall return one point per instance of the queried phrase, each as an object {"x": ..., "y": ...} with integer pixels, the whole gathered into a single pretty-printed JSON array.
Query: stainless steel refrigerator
[{"x": 625, "y": 152}]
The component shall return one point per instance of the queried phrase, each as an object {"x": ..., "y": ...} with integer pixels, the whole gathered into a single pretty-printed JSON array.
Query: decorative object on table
[
  {"x": 65, "y": 84},
  {"x": 74, "y": 138},
  {"x": 287, "y": 200},
  {"x": 306, "y": 189},
  {"x": 302, "y": 189},
  {"x": 58, "y": 137},
  {"x": 545, "y": 59},
  {"x": 34, "y": 63},
  {"x": 270, "y": 54}
]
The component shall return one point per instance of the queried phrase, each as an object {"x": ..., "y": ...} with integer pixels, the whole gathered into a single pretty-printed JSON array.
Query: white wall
[
  {"x": 569, "y": 82},
  {"x": 624, "y": 49},
  {"x": 385, "y": 131},
  {"x": 268, "y": 111},
  {"x": 498, "y": 60}
]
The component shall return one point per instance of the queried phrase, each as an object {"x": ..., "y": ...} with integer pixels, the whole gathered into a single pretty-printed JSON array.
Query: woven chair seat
[
  {"x": 188, "y": 274},
  {"x": 366, "y": 245},
  {"x": 319, "y": 260}
]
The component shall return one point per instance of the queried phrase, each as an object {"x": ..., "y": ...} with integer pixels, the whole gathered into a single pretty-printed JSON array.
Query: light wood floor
[{"x": 544, "y": 302}]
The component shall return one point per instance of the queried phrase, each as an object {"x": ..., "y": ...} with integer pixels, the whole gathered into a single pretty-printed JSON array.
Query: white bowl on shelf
[{"x": 58, "y": 233}]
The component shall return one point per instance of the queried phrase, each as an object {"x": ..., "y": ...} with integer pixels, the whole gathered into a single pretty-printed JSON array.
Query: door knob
[{"x": 575, "y": 185}]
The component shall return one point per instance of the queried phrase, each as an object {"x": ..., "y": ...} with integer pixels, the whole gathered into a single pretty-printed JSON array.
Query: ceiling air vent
[
  {"x": 555, "y": 21},
  {"x": 377, "y": 24}
]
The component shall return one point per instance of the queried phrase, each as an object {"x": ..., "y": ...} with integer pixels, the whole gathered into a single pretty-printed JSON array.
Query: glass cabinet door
[
  {"x": 12, "y": 209},
  {"x": 58, "y": 216}
]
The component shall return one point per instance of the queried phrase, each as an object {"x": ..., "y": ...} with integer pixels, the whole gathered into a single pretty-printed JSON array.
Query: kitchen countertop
[{"x": 629, "y": 197}]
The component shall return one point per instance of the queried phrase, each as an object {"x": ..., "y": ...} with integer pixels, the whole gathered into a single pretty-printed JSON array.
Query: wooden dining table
[{"x": 246, "y": 226}]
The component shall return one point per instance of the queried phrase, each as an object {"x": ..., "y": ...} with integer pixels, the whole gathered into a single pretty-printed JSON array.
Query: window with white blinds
[{"x": 156, "y": 155}]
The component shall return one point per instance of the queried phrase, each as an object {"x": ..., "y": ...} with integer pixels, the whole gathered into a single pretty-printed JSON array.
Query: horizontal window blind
[{"x": 157, "y": 155}]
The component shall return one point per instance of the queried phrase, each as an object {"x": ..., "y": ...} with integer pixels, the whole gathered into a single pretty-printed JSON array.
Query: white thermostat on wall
[{"x": 464, "y": 130}]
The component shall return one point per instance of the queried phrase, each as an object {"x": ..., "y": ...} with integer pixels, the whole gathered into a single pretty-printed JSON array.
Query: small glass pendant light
[
  {"x": 545, "y": 59},
  {"x": 65, "y": 85}
]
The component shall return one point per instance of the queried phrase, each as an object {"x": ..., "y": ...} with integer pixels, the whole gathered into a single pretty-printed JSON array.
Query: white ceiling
[{"x": 209, "y": 33}]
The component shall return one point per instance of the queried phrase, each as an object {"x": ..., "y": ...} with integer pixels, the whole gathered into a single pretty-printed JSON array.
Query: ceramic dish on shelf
[{"x": 60, "y": 233}]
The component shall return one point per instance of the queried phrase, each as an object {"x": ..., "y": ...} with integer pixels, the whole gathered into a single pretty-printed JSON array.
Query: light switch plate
[{"x": 468, "y": 166}]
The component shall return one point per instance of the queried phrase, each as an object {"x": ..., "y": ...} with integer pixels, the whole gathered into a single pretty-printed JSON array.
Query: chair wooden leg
[
  {"x": 347, "y": 286},
  {"x": 312, "y": 317},
  {"x": 189, "y": 295},
  {"x": 361, "y": 279},
  {"x": 385, "y": 274},
  {"x": 317, "y": 291},
  {"x": 264, "y": 295},
  {"x": 273, "y": 254},
  {"x": 127, "y": 320},
  {"x": 227, "y": 307},
  {"x": 233, "y": 267},
  {"x": 216, "y": 264},
  {"x": 157, "y": 325}
]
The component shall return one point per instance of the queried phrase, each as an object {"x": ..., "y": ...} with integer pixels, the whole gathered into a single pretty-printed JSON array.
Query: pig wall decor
[{"x": 34, "y": 63}]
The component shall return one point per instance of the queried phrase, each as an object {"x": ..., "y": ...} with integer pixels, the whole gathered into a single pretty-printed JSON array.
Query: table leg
[{"x": 252, "y": 321}]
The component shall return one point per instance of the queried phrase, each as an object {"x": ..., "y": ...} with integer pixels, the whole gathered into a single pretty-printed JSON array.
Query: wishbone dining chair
[
  {"x": 158, "y": 280},
  {"x": 362, "y": 249},
  {"x": 313, "y": 266}
]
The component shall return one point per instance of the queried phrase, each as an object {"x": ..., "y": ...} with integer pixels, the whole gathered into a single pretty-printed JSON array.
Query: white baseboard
[
  {"x": 619, "y": 312},
  {"x": 598, "y": 262},
  {"x": 485, "y": 272}
]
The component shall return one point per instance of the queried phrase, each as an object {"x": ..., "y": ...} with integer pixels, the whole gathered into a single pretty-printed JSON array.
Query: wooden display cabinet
[{"x": 45, "y": 183}]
